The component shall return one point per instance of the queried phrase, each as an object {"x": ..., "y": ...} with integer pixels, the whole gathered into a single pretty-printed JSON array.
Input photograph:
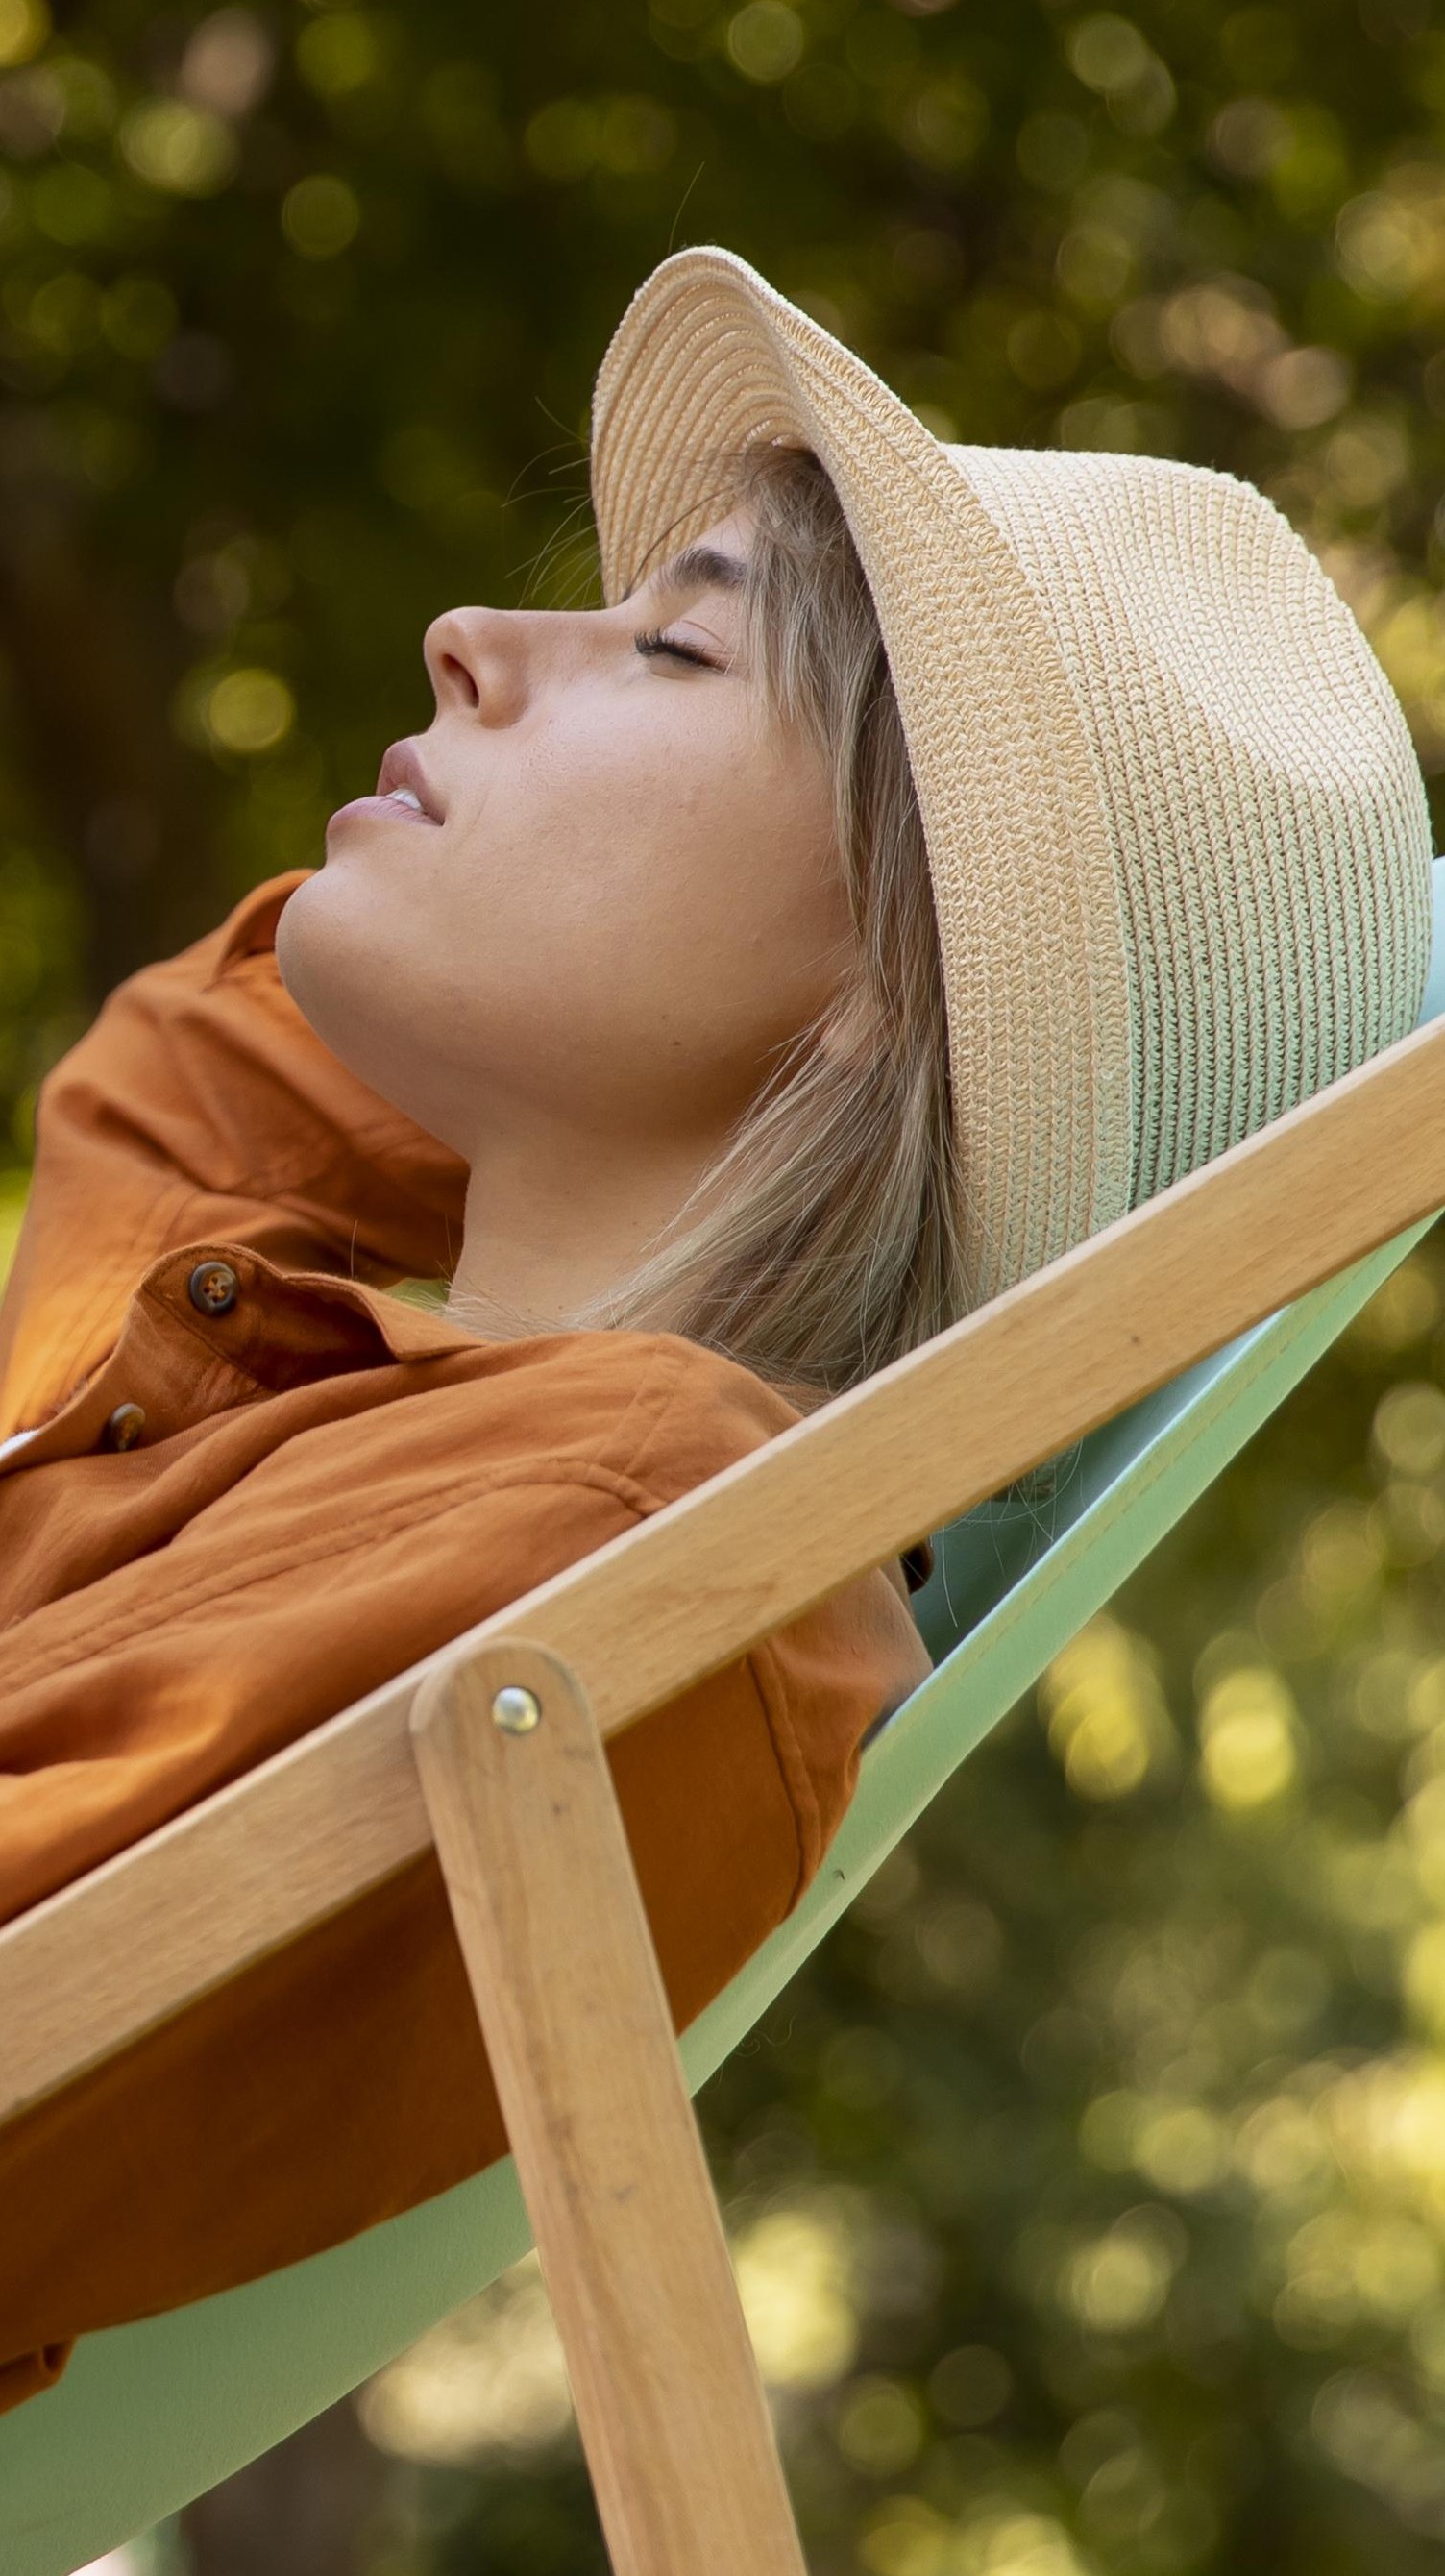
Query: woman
[{"x": 922, "y": 856}]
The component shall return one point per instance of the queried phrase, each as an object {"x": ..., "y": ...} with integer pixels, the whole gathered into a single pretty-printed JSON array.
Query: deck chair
[{"x": 1143, "y": 1360}]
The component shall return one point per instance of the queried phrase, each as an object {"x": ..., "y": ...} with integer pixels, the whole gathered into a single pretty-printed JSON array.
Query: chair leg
[{"x": 559, "y": 1952}]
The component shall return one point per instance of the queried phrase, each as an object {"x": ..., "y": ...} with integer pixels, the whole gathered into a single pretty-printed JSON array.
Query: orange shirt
[{"x": 257, "y": 1486}]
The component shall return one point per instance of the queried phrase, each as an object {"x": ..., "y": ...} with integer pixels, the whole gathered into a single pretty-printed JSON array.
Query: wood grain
[
  {"x": 700, "y": 1583},
  {"x": 669, "y": 2403}
]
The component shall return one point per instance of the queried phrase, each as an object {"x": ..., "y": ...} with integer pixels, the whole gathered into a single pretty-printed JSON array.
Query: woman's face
[{"x": 622, "y": 893}]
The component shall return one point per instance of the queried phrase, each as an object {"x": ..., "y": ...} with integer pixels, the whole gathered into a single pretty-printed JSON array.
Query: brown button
[
  {"x": 125, "y": 1426},
  {"x": 214, "y": 1287}
]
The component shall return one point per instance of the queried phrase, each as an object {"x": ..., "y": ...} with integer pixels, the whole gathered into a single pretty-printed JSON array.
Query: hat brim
[{"x": 709, "y": 358}]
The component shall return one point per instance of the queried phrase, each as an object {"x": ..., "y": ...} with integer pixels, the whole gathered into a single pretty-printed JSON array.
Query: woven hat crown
[{"x": 1178, "y": 835}]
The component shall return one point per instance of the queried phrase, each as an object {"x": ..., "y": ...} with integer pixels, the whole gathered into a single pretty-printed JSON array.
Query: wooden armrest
[{"x": 707, "y": 1578}]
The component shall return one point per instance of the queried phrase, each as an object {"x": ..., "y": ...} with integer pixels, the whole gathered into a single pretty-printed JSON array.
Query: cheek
[
  {"x": 674, "y": 913},
  {"x": 654, "y": 861},
  {"x": 616, "y": 926},
  {"x": 700, "y": 873}
]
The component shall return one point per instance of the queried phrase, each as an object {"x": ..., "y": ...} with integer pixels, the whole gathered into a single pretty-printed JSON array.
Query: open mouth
[
  {"x": 403, "y": 794},
  {"x": 403, "y": 782}
]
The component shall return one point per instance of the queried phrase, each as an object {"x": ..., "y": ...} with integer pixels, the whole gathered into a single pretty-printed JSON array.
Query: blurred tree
[
  {"x": 299, "y": 312},
  {"x": 310, "y": 2508},
  {"x": 1088, "y": 2189}
]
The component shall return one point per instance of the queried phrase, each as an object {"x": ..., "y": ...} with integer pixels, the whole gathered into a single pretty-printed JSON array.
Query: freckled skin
[{"x": 579, "y": 978}]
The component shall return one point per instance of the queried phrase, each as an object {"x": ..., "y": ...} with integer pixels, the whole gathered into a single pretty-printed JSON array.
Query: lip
[
  {"x": 400, "y": 767},
  {"x": 379, "y": 809}
]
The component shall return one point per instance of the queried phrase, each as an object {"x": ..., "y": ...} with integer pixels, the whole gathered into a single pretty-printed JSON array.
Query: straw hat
[{"x": 1177, "y": 829}]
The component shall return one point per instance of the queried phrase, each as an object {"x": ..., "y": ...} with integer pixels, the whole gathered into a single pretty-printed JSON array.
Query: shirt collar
[
  {"x": 409, "y": 1332},
  {"x": 252, "y": 928}
]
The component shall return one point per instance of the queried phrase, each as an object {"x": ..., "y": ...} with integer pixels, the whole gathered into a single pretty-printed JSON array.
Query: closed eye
[{"x": 655, "y": 643}]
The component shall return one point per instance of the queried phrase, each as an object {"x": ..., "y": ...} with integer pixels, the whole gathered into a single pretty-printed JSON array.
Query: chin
[
  {"x": 294, "y": 942},
  {"x": 341, "y": 968},
  {"x": 326, "y": 958}
]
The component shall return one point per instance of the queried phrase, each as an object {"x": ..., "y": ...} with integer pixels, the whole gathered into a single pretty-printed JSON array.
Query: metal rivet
[
  {"x": 516, "y": 1711},
  {"x": 125, "y": 1426},
  {"x": 213, "y": 1287}
]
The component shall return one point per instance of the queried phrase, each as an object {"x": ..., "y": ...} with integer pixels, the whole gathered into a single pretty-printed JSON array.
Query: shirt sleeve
[
  {"x": 202, "y": 1105},
  {"x": 343, "y": 2077},
  {"x": 348, "y": 1554}
]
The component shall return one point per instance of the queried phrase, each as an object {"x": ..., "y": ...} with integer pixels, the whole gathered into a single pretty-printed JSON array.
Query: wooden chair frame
[{"x": 494, "y": 1750}]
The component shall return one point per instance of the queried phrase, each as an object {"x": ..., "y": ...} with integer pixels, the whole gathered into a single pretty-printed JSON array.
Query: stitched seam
[
  {"x": 554, "y": 1472},
  {"x": 176, "y": 1315},
  {"x": 277, "y": 1176},
  {"x": 668, "y": 1364},
  {"x": 124, "y": 1625},
  {"x": 287, "y": 1278},
  {"x": 274, "y": 1177},
  {"x": 197, "y": 1333},
  {"x": 794, "y": 1778}
]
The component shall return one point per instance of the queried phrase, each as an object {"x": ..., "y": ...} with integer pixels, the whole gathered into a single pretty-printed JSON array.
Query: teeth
[{"x": 404, "y": 796}]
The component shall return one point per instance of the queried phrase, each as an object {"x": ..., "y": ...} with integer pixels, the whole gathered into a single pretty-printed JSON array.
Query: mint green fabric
[{"x": 150, "y": 2415}]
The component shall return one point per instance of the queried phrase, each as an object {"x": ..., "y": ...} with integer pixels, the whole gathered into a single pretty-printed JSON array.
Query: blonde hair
[{"x": 823, "y": 1241}]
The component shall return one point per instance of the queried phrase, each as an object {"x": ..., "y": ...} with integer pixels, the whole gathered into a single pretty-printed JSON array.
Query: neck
[{"x": 546, "y": 1236}]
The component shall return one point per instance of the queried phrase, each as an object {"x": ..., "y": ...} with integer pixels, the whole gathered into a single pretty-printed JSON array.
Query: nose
[{"x": 480, "y": 662}]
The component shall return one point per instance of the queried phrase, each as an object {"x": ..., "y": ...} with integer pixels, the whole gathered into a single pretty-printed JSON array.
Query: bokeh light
[{"x": 1087, "y": 2190}]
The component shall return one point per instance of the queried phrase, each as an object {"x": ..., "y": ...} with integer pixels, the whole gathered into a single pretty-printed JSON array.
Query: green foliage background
[{"x": 1095, "y": 2172}]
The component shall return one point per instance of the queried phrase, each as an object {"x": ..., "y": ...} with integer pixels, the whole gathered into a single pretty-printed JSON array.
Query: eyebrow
[{"x": 699, "y": 568}]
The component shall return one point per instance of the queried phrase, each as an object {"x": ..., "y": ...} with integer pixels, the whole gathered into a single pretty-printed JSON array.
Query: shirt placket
[{"x": 181, "y": 1358}]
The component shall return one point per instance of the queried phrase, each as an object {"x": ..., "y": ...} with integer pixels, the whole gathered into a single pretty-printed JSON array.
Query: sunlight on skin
[{"x": 612, "y": 897}]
